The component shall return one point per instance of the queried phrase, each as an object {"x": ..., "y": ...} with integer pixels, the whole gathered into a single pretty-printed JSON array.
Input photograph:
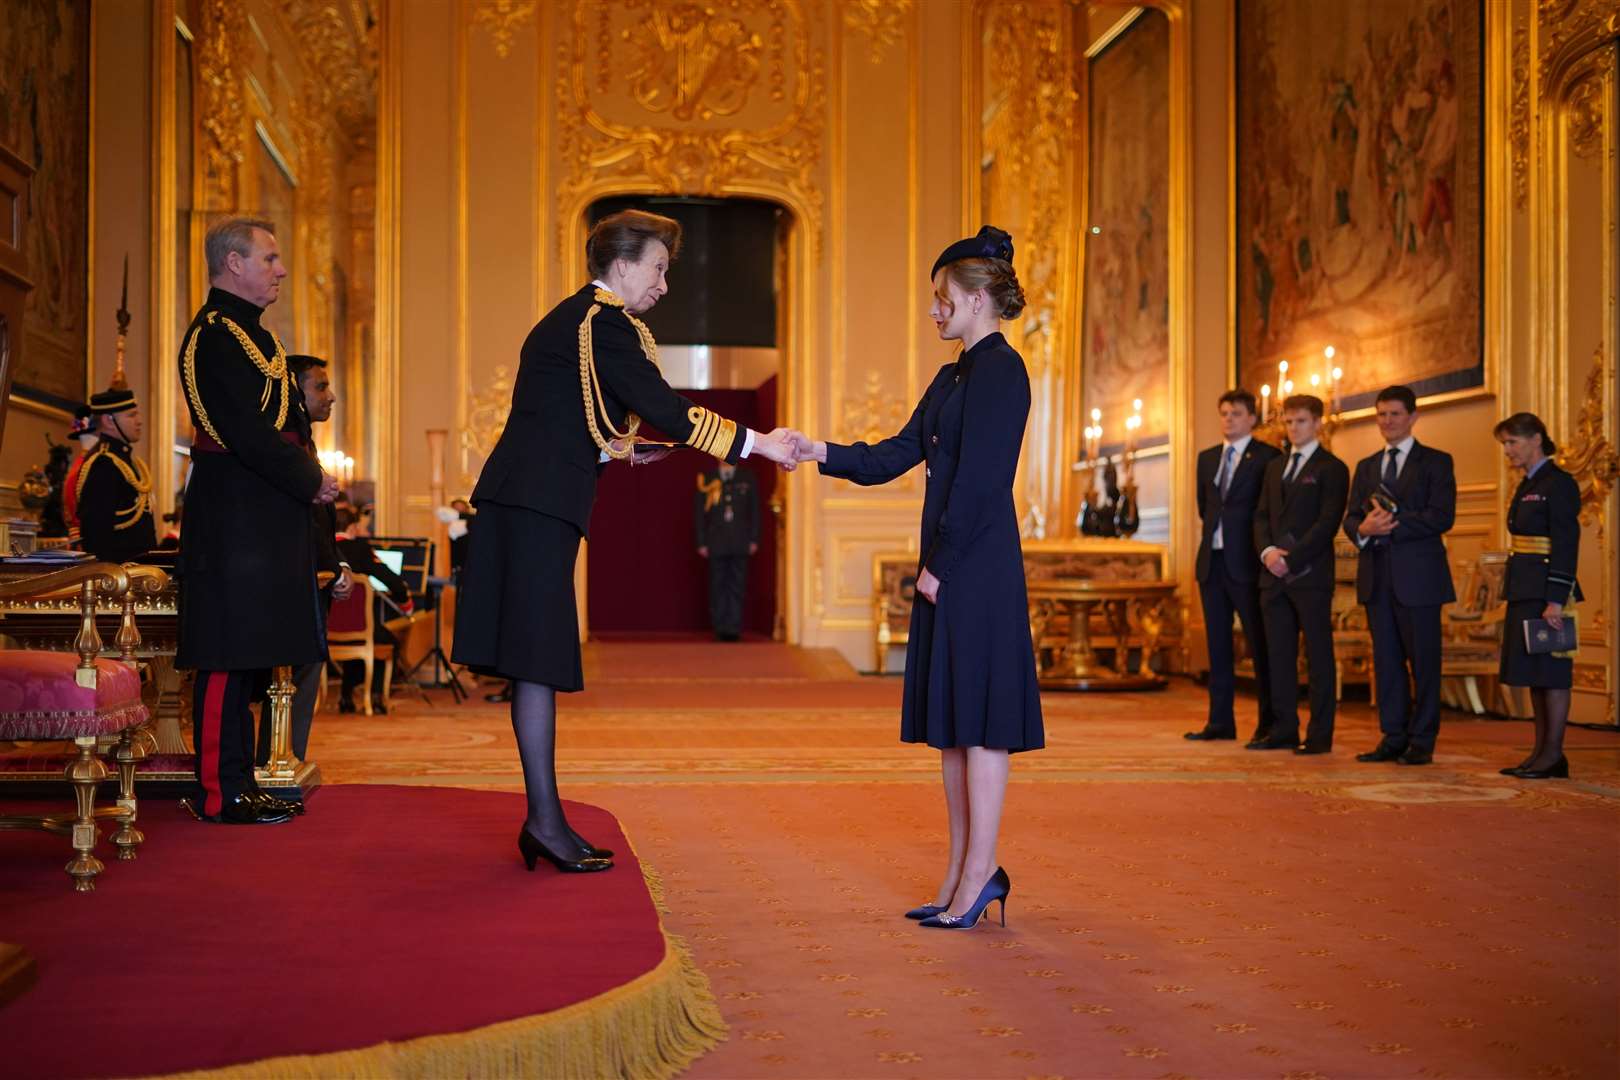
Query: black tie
[
  {"x": 1293, "y": 469},
  {"x": 1390, "y": 474}
]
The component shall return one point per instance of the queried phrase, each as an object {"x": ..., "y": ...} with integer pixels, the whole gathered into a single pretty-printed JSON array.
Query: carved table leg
[{"x": 85, "y": 772}]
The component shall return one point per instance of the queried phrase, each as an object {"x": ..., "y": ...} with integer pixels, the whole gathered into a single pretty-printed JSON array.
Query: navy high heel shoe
[
  {"x": 1558, "y": 770},
  {"x": 996, "y": 888},
  {"x": 925, "y": 911}
]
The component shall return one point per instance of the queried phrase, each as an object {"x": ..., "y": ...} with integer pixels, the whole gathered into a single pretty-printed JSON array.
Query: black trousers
[
  {"x": 306, "y": 688},
  {"x": 728, "y": 588},
  {"x": 1222, "y": 597},
  {"x": 1406, "y": 668},
  {"x": 1288, "y": 612},
  {"x": 222, "y": 733}
]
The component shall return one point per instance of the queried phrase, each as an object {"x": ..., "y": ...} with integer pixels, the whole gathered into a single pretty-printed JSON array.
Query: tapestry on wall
[
  {"x": 1359, "y": 219},
  {"x": 44, "y": 119},
  {"x": 1126, "y": 355}
]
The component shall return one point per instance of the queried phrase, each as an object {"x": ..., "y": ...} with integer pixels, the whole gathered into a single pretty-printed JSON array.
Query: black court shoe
[
  {"x": 591, "y": 850},
  {"x": 1559, "y": 770},
  {"x": 533, "y": 851}
]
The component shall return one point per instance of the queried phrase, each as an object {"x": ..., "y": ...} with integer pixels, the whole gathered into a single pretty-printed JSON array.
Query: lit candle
[
  {"x": 1265, "y": 403},
  {"x": 1316, "y": 381},
  {"x": 1338, "y": 373}
]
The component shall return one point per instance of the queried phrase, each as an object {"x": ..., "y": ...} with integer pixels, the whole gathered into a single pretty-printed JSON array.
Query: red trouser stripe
[{"x": 208, "y": 738}]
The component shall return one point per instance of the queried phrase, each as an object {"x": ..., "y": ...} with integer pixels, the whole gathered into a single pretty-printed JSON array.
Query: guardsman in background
[
  {"x": 248, "y": 595},
  {"x": 82, "y": 432},
  {"x": 725, "y": 520},
  {"x": 113, "y": 488}
]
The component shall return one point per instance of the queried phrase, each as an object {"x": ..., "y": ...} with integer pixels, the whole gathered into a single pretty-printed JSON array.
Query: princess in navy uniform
[
  {"x": 970, "y": 685},
  {"x": 1544, "y": 531},
  {"x": 588, "y": 373}
]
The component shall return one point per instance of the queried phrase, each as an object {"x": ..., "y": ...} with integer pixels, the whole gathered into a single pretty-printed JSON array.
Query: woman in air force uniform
[
  {"x": 588, "y": 373},
  {"x": 1544, "y": 533}
]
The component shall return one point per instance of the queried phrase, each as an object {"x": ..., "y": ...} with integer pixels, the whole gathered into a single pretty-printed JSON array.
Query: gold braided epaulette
[
  {"x": 275, "y": 374},
  {"x": 590, "y": 384},
  {"x": 139, "y": 478}
]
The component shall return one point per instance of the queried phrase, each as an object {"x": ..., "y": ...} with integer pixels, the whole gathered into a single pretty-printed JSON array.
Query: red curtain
[{"x": 643, "y": 574}]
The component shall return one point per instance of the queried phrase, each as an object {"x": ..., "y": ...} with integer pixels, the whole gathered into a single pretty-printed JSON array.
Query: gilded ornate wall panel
[{"x": 1573, "y": 178}]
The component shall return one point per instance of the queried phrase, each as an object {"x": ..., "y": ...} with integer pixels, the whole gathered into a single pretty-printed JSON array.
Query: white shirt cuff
[
  {"x": 602, "y": 458},
  {"x": 748, "y": 443}
]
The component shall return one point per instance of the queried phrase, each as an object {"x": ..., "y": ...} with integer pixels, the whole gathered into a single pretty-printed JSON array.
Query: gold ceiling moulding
[
  {"x": 502, "y": 18},
  {"x": 1570, "y": 29},
  {"x": 338, "y": 42},
  {"x": 883, "y": 22},
  {"x": 686, "y": 67}
]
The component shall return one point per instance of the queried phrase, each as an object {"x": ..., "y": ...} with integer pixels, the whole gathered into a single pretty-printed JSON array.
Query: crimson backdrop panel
[{"x": 643, "y": 573}]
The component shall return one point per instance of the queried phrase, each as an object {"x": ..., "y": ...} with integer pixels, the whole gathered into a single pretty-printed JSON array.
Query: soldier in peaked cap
[{"x": 112, "y": 488}]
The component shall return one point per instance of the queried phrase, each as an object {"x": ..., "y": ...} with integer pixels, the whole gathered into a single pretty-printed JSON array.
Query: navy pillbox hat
[{"x": 990, "y": 243}]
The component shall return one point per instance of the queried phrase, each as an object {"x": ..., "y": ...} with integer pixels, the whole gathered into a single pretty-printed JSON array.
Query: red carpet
[{"x": 385, "y": 914}]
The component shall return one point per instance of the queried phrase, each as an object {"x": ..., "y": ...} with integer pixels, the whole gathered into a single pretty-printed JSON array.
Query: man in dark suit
[
  {"x": 1229, "y": 477},
  {"x": 1402, "y": 503},
  {"x": 725, "y": 524},
  {"x": 1301, "y": 505}
]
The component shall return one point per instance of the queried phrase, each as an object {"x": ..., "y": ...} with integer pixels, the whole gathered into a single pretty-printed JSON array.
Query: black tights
[
  {"x": 1552, "y": 714},
  {"x": 534, "y": 722}
]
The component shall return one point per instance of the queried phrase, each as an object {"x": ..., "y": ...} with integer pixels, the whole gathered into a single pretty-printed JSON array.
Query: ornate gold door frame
[
  {"x": 681, "y": 101},
  {"x": 1574, "y": 216}
]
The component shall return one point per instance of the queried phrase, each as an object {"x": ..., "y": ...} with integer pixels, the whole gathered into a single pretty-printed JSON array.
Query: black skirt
[
  {"x": 516, "y": 615},
  {"x": 1519, "y": 667}
]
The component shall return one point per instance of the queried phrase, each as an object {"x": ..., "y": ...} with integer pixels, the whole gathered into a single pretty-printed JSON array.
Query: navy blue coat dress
[{"x": 970, "y": 665}]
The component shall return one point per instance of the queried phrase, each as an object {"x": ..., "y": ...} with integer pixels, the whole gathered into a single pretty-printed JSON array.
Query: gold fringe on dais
[{"x": 651, "y": 1028}]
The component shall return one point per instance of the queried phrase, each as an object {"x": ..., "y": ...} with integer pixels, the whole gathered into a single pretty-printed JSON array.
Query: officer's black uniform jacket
[
  {"x": 710, "y": 529},
  {"x": 546, "y": 459},
  {"x": 108, "y": 527},
  {"x": 248, "y": 596},
  {"x": 1546, "y": 504}
]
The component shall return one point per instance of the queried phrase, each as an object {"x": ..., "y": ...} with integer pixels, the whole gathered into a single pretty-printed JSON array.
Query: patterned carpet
[{"x": 1178, "y": 909}]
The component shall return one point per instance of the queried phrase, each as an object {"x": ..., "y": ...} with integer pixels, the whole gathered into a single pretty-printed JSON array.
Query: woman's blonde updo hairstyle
[{"x": 995, "y": 276}]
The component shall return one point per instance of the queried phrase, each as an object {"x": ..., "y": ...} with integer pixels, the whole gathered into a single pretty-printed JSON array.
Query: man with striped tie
[{"x": 1228, "y": 569}]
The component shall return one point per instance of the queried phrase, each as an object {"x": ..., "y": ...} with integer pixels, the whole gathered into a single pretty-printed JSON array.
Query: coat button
[
  {"x": 929, "y": 472},
  {"x": 936, "y": 440}
]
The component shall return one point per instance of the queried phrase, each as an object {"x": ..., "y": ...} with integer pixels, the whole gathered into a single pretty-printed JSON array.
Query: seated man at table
[{"x": 392, "y": 599}]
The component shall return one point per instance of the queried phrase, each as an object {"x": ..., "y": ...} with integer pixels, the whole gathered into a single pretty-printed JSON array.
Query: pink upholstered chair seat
[{"x": 40, "y": 698}]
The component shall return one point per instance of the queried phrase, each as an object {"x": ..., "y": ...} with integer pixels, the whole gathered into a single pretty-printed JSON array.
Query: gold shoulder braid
[
  {"x": 274, "y": 372},
  {"x": 711, "y": 433},
  {"x": 139, "y": 478}
]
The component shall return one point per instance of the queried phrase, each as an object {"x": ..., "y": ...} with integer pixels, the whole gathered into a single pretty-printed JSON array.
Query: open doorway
[{"x": 720, "y": 331}]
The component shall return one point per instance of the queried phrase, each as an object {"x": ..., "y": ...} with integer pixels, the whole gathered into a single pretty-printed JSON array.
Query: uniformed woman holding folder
[
  {"x": 1544, "y": 533},
  {"x": 588, "y": 373}
]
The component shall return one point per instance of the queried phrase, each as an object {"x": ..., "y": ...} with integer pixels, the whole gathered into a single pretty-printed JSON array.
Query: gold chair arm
[{"x": 143, "y": 580}]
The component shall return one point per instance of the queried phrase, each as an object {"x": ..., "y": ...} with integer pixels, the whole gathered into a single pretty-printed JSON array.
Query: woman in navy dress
[
  {"x": 970, "y": 685},
  {"x": 1544, "y": 530}
]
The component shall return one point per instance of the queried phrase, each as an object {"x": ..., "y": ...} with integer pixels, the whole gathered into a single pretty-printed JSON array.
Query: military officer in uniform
[
  {"x": 248, "y": 595},
  {"x": 725, "y": 519},
  {"x": 113, "y": 487},
  {"x": 1544, "y": 533},
  {"x": 587, "y": 373}
]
